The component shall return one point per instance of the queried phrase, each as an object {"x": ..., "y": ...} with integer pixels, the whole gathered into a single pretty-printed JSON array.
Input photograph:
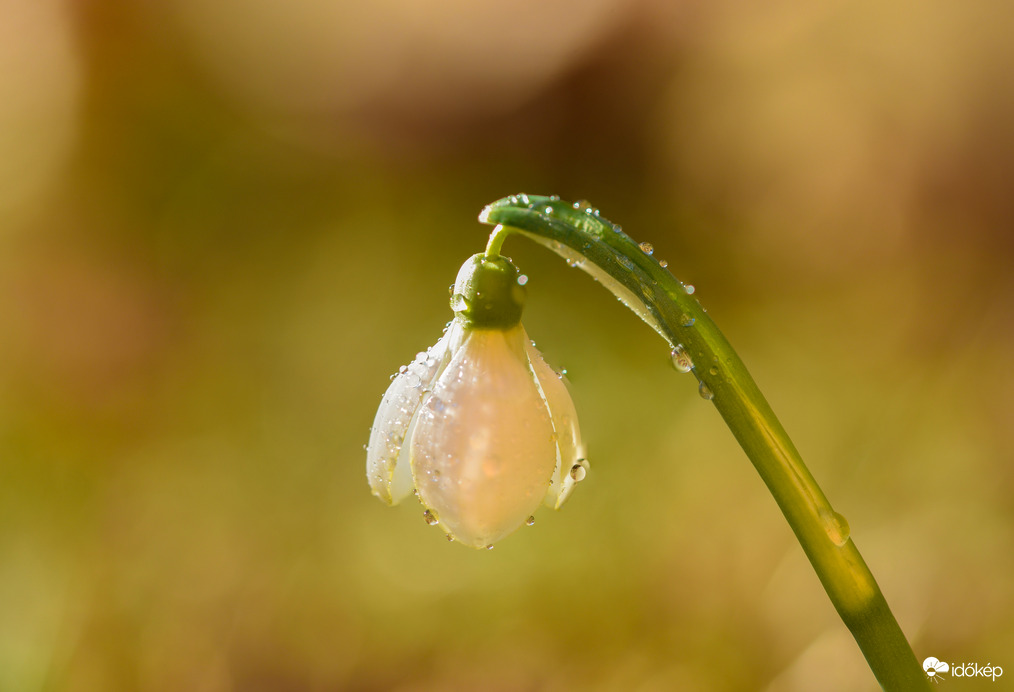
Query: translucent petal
[
  {"x": 483, "y": 448},
  {"x": 387, "y": 468},
  {"x": 568, "y": 434}
]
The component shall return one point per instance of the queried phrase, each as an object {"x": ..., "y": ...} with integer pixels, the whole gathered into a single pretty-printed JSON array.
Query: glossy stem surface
[{"x": 585, "y": 239}]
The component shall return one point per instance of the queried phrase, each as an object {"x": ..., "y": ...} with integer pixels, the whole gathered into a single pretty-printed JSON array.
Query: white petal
[
  {"x": 483, "y": 448},
  {"x": 568, "y": 434},
  {"x": 387, "y": 469}
]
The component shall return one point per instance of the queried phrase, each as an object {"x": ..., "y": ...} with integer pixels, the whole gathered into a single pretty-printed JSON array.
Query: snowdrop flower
[{"x": 478, "y": 425}]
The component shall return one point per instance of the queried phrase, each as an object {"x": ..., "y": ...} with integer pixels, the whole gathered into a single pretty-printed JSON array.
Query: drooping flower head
[{"x": 478, "y": 425}]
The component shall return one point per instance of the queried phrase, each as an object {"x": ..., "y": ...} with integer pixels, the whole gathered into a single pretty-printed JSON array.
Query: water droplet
[
  {"x": 578, "y": 472},
  {"x": 549, "y": 211},
  {"x": 431, "y": 518},
  {"x": 689, "y": 288},
  {"x": 705, "y": 392},
  {"x": 618, "y": 228},
  {"x": 572, "y": 263},
  {"x": 530, "y": 521},
  {"x": 713, "y": 370},
  {"x": 837, "y": 527},
  {"x": 450, "y": 290},
  {"x": 582, "y": 205},
  {"x": 686, "y": 320},
  {"x": 489, "y": 547},
  {"x": 459, "y": 302},
  {"x": 681, "y": 359},
  {"x": 626, "y": 262},
  {"x": 394, "y": 375},
  {"x": 554, "y": 198},
  {"x": 663, "y": 264},
  {"x": 562, "y": 373},
  {"x": 522, "y": 280},
  {"x": 524, "y": 198},
  {"x": 403, "y": 369},
  {"x": 647, "y": 248},
  {"x": 450, "y": 538}
]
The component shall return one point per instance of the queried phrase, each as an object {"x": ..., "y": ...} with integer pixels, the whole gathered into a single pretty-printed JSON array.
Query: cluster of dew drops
[{"x": 679, "y": 356}]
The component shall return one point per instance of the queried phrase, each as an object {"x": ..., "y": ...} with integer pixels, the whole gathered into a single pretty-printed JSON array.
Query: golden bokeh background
[{"x": 223, "y": 224}]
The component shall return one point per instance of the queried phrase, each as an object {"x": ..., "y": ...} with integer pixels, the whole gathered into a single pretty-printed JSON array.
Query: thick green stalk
[{"x": 585, "y": 239}]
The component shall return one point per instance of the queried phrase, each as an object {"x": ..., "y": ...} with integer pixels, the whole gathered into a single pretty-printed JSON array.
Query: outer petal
[
  {"x": 568, "y": 434},
  {"x": 387, "y": 469},
  {"x": 483, "y": 449}
]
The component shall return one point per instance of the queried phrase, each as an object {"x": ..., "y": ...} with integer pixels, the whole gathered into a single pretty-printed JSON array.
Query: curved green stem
[
  {"x": 496, "y": 239},
  {"x": 585, "y": 239}
]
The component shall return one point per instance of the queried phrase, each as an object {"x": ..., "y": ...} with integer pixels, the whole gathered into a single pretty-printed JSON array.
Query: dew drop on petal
[
  {"x": 489, "y": 547},
  {"x": 459, "y": 302},
  {"x": 430, "y": 517},
  {"x": 705, "y": 392},
  {"x": 647, "y": 248},
  {"x": 530, "y": 521},
  {"x": 681, "y": 359},
  {"x": 578, "y": 472},
  {"x": 450, "y": 538}
]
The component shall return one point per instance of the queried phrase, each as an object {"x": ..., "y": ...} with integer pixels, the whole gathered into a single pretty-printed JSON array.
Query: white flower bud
[{"x": 483, "y": 429}]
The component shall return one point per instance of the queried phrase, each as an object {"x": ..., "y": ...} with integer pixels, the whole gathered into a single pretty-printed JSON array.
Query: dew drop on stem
[{"x": 681, "y": 359}]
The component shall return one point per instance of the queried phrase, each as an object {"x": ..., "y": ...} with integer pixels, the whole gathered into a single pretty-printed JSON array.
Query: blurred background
[{"x": 225, "y": 223}]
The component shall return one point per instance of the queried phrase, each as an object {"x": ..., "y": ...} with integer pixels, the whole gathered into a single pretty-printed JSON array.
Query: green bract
[{"x": 487, "y": 294}]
